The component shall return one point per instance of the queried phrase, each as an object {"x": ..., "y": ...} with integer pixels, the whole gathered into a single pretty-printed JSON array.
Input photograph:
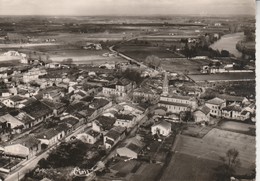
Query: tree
[
  {"x": 153, "y": 61},
  {"x": 224, "y": 53},
  {"x": 133, "y": 75},
  {"x": 230, "y": 163},
  {"x": 186, "y": 116}
]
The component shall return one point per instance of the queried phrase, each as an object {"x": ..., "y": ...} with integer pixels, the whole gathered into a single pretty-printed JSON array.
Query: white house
[
  {"x": 121, "y": 88},
  {"x": 202, "y": 114},
  {"x": 90, "y": 137},
  {"x": 131, "y": 148},
  {"x": 125, "y": 120},
  {"x": 215, "y": 105},
  {"x": 234, "y": 111},
  {"x": 161, "y": 128}
]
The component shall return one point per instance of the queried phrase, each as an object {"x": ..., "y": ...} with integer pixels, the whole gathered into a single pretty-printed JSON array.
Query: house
[
  {"x": 174, "y": 107},
  {"x": 90, "y": 137},
  {"x": 24, "y": 147},
  {"x": 27, "y": 121},
  {"x": 53, "y": 94},
  {"x": 102, "y": 124},
  {"x": 233, "y": 99},
  {"x": 215, "y": 105},
  {"x": 121, "y": 88},
  {"x": 12, "y": 122},
  {"x": 129, "y": 108},
  {"x": 125, "y": 120},
  {"x": 100, "y": 104},
  {"x": 162, "y": 128},
  {"x": 52, "y": 136},
  {"x": 113, "y": 136},
  {"x": 57, "y": 107},
  {"x": 72, "y": 121},
  {"x": 235, "y": 111},
  {"x": 15, "y": 101},
  {"x": 77, "y": 95},
  {"x": 131, "y": 148},
  {"x": 202, "y": 114},
  {"x": 38, "y": 112}
]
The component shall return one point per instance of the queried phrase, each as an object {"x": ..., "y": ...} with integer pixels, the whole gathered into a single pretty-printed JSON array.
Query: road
[{"x": 32, "y": 163}]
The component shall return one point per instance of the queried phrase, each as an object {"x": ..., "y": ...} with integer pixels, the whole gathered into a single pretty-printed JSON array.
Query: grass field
[
  {"x": 185, "y": 167},
  {"x": 147, "y": 172},
  {"x": 141, "y": 52},
  {"x": 196, "y": 158},
  {"x": 181, "y": 64},
  {"x": 238, "y": 127},
  {"x": 216, "y": 143}
]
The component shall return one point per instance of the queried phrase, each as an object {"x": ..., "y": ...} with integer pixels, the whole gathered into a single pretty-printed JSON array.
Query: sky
[{"x": 126, "y": 7}]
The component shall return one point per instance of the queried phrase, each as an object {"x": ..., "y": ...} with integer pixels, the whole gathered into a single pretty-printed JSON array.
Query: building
[
  {"x": 121, "y": 88},
  {"x": 234, "y": 99},
  {"x": 25, "y": 147},
  {"x": 146, "y": 94},
  {"x": 125, "y": 120},
  {"x": 51, "y": 136},
  {"x": 202, "y": 114},
  {"x": 102, "y": 124},
  {"x": 176, "y": 103},
  {"x": 235, "y": 112},
  {"x": 12, "y": 122},
  {"x": 90, "y": 137},
  {"x": 113, "y": 136},
  {"x": 38, "y": 112},
  {"x": 215, "y": 105},
  {"x": 162, "y": 128},
  {"x": 15, "y": 102},
  {"x": 131, "y": 148}
]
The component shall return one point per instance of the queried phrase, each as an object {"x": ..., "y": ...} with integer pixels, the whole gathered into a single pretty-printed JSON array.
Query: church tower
[{"x": 165, "y": 84}]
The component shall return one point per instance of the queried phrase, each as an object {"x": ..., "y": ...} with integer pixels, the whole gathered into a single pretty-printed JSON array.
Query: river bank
[{"x": 228, "y": 42}]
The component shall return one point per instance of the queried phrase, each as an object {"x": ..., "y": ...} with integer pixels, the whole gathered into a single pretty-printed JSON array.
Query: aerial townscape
[{"x": 129, "y": 98}]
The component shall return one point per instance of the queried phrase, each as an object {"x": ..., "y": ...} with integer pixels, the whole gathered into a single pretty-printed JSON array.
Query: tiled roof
[
  {"x": 204, "y": 109},
  {"x": 216, "y": 101},
  {"x": 173, "y": 103},
  {"x": 37, "y": 109}
]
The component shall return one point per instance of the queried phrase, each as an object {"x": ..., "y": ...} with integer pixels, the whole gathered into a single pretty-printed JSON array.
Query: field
[
  {"x": 147, "y": 172},
  {"x": 141, "y": 52},
  {"x": 185, "y": 167},
  {"x": 223, "y": 76},
  {"x": 216, "y": 143},
  {"x": 238, "y": 127},
  {"x": 196, "y": 130},
  {"x": 197, "y": 157},
  {"x": 180, "y": 65}
]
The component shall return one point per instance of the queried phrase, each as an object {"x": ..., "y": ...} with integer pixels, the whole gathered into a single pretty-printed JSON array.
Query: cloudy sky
[{"x": 125, "y": 7}]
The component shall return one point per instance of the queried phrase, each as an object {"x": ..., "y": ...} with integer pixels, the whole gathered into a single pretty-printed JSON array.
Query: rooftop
[
  {"x": 204, "y": 109},
  {"x": 231, "y": 98},
  {"x": 216, "y": 101},
  {"x": 233, "y": 107},
  {"x": 125, "y": 116},
  {"x": 93, "y": 133},
  {"x": 173, "y": 103},
  {"x": 37, "y": 109}
]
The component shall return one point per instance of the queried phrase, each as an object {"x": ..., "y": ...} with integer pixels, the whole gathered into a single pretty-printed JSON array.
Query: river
[{"x": 228, "y": 42}]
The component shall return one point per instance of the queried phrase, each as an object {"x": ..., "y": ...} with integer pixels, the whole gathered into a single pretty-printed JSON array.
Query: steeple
[{"x": 165, "y": 84}]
